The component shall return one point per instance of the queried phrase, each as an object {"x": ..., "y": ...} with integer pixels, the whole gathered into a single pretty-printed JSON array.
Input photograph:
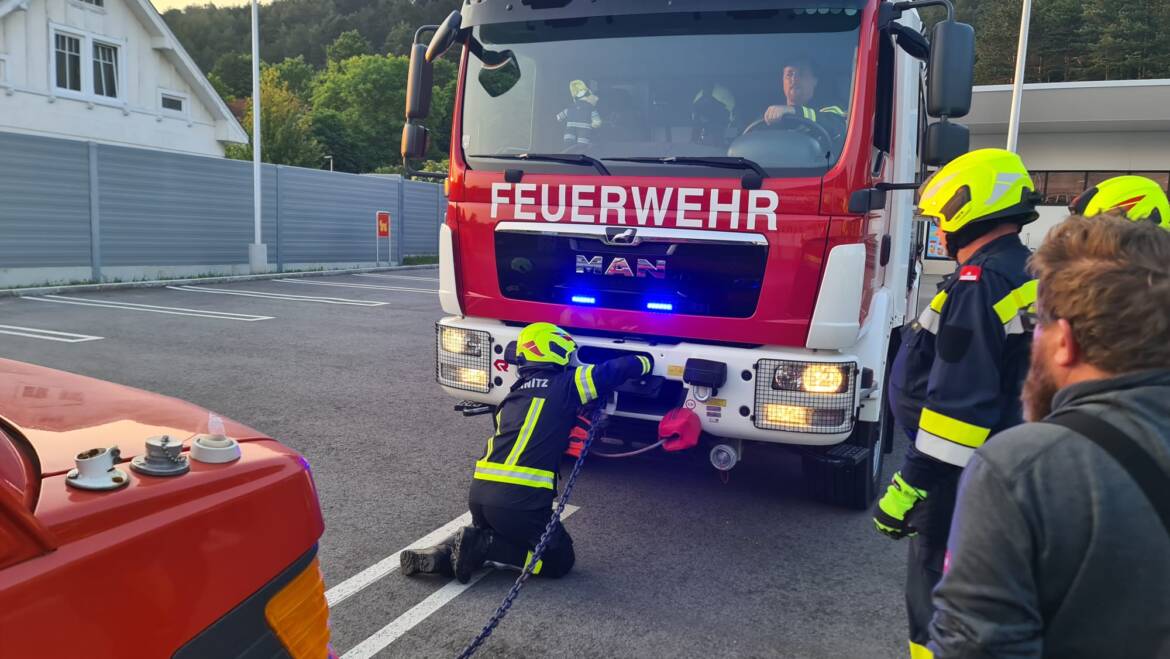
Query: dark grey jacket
[{"x": 1055, "y": 551}]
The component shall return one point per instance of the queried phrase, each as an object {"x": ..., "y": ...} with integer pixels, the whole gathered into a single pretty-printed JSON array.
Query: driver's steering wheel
[{"x": 793, "y": 121}]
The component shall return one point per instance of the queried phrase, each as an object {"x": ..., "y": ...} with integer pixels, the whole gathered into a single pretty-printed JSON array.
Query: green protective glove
[{"x": 893, "y": 509}]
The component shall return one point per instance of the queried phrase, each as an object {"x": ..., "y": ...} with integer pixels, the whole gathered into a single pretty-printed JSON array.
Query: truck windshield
[{"x": 771, "y": 86}]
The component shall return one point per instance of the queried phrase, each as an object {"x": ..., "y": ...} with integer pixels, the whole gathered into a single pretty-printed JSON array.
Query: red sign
[
  {"x": 383, "y": 224},
  {"x": 501, "y": 365}
]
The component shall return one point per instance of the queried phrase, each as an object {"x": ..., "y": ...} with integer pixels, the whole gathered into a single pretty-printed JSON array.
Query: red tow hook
[{"x": 679, "y": 430}]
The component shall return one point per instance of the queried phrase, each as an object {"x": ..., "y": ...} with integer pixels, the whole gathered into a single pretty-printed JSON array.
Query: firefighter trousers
[
  {"x": 517, "y": 532},
  {"x": 927, "y": 556}
]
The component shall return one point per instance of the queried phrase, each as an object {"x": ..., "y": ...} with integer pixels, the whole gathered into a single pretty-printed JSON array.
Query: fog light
[
  {"x": 787, "y": 415},
  {"x": 469, "y": 377},
  {"x": 823, "y": 378},
  {"x": 472, "y": 378},
  {"x": 462, "y": 342},
  {"x": 812, "y": 378},
  {"x": 462, "y": 377}
]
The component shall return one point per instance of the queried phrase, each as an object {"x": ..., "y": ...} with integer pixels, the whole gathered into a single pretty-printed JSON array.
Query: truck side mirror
[
  {"x": 951, "y": 70},
  {"x": 419, "y": 83},
  {"x": 445, "y": 36},
  {"x": 414, "y": 141},
  {"x": 945, "y": 142}
]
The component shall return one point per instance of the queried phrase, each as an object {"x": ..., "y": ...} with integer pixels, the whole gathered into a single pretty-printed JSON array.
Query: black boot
[
  {"x": 470, "y": 551},
  {"x": 432, "y": 560}
]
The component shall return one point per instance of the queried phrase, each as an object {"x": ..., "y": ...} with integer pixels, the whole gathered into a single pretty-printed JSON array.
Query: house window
[
  {"x": 68, "y": 62},
  {"x": 172, "y": 103},
  {"x": 86, "y": 65},
  {"x": 105, "y": 70},
  {"x": 95, "y": 3}
]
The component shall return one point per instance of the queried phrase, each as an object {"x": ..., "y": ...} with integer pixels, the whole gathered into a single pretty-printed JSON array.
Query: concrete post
[{"x": 95, "y": 216}]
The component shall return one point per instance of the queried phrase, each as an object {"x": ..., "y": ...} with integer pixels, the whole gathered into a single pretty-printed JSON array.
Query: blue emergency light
[
  {"x": 584, "y": 299},
  {"x": 660, "y": 306}
]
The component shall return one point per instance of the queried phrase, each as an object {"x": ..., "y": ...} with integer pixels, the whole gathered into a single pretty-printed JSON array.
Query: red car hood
[{"x": 63, "y": 414}]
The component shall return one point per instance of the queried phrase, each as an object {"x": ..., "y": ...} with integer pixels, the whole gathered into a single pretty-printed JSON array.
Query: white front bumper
[{"x": 729, "y": 414}]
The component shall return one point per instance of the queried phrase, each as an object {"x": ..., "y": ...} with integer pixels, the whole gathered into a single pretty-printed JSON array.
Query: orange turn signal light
[{"x": 299, "y": 615}]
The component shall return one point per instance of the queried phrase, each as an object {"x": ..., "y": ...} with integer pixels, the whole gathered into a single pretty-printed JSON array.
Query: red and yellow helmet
[
  {"x": 1135, "y": 197},
  {"x": 545, "y": 343}
]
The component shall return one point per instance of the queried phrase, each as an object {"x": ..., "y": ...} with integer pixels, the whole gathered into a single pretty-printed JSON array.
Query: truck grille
[{"x": 693, "y": 278}]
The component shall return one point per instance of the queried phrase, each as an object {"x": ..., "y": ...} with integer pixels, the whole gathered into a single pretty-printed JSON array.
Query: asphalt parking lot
[{"x": 672, "y": 561}]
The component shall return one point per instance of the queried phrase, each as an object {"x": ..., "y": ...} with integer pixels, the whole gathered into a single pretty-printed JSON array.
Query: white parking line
[
  {"x": 288, "y": 297},
  {"x": 434, "y": 279},
  {"x": 149, "y": 308},
  {"x": 371, "y": 287},
  {"x": 419, "y": 612},
  {"x": 47, "y": 335},
  {"x": 368, "y": 576}
]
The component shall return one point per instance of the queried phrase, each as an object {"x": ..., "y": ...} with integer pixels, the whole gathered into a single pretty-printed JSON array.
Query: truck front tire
[{"x": 850, "y": 474}]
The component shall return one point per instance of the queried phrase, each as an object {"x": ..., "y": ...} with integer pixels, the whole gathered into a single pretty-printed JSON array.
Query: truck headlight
[
  {"x": 463, "y": 358},
  {"x": 812, "y": 378},
  {"x": 462, "y": 342},
  {"x": 811, "y": 397}
]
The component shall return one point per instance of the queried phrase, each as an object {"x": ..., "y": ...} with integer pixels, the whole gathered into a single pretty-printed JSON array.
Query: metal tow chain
[{"x": 595, "y": 423}]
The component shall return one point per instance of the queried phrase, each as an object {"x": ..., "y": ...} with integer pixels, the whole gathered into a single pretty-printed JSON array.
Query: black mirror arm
[
  {"x": 423, "y": 30},
  {"x": 913, "y": 185}
]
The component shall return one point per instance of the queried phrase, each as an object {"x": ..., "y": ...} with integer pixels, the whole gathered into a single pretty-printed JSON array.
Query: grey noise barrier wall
[{"x": 74, "y": 211}]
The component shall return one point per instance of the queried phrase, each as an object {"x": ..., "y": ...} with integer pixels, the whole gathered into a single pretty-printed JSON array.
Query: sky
[{"x": 163, "y": 5}]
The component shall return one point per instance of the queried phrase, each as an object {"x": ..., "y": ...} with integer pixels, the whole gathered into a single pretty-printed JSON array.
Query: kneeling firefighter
[
  {"x": 958, "y": 375},
  {"x": 516, "y": 480}
]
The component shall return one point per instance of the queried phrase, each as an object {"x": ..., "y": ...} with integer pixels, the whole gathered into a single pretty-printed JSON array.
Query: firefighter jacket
[
  {"x": 958, "y": 376},
  {"x": 519, "y": 468},
  {"x": 580, "y": 119}
]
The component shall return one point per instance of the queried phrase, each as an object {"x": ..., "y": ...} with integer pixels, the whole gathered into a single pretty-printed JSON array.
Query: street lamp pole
[
  {"x": 1018, "y": 82},
  {"x": 257, "y": 251}
]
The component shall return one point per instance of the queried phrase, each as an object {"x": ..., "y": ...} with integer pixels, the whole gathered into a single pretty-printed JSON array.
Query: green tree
[
  {"x": 297, "y": 75},
  {"x": 399, "y": 39},
  {"x": 357, "y": 106},
  {"x": 285, "y": 127},
  {"x": 234, "y": 71},
  {"x": 351, "y": 145},
  {"x": 220, "y": 87},
  {"x": 346, "y": 45}
]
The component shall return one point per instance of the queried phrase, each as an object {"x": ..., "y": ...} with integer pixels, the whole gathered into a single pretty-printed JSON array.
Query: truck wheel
[{"x": 849, "y": 474}]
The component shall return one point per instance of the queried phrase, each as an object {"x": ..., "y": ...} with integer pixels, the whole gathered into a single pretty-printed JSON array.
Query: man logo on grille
[{"x": 620, "y": 267}]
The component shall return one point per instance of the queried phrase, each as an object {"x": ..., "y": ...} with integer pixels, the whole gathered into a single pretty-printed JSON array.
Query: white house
[{"x": 109, "y": 71}]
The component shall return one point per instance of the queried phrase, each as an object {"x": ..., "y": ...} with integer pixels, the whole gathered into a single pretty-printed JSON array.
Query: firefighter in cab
[
  {"x": 958, "y": 375},
  {"x": 1135, "y": 197},
  {"x": 581, "y": 118},
  {"x": 515, "y": 481}
]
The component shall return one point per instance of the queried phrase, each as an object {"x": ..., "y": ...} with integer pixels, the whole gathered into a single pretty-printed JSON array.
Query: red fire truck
[{"x": 725, "y": 186}]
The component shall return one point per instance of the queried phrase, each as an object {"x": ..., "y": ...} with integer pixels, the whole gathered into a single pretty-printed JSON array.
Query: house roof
[
  {"x": 164, "y": 41},
  {"x": 1058, "y": 107}
]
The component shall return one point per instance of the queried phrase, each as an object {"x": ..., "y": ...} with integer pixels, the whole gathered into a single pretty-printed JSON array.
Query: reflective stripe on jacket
[
  {"x": 958, "y": 375},
  {"x": 519, "y": 466}
]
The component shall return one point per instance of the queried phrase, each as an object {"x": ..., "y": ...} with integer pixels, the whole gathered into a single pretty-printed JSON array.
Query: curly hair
[{"x": 1110, "y": 279}]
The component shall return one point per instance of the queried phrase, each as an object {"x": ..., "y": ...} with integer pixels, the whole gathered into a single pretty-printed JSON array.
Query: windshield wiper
[
  {"x": 567, "y": 158},
  {"x": 725, "y": 162}
]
